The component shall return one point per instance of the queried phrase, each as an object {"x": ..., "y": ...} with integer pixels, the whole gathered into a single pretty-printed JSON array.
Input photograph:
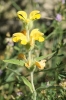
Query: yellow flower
[
  {"x": 37, "y": 35},
  {"x": 40, "y": 64},
  {"x": 20, "y": 37},
  {"x": 32, "y": 16},
  {"x": 34, "y": 35}
]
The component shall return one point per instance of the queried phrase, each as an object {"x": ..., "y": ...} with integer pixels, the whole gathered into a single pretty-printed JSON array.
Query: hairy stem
[
  {"x": 34, "y": 91},
  {"x": 32, "y": 72}
]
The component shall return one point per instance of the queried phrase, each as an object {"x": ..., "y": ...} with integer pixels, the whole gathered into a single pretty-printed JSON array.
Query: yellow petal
[
  {"x": 17, "y": 34},
  {"x": 37, "y": 35},
  {"x": 34, "y": 31},
  {"x": 15, "y": 39},
  {"x": 24, "y": 41},
  {"x": 27, "y": 64},
  {"x": 40, "y": 64},
  {"x": 22, "y": 15},
  {"x": 19, "y": 37},
  {"x": 35, "y": 15},
  {"x": 41, "y": 39}
]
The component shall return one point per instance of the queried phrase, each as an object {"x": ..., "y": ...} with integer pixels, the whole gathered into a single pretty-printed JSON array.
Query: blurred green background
[{"x": 51, "y": 82}]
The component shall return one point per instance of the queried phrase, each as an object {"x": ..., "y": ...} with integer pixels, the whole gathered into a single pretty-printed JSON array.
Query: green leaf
[
  {"x": 10, "y": 77},
  {"x": 14, "y": 71},
  {"x": 43, "y": 57},
  {"x": 15, "y": 61},
  {"x": 26, "y": 82},
  {"x": 49, "y": 87},
  {"x": 16, "y": 48}
]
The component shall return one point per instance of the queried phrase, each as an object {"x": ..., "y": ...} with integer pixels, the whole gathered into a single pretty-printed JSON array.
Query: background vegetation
[{"x": 50, "y": 83}]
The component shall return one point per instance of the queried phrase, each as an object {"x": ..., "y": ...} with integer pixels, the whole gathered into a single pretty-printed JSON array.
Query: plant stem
[
  {"x": 34, "y": 91},
  {"x": 32, "y": 72},
  {"x": 30, "y": 61}
]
